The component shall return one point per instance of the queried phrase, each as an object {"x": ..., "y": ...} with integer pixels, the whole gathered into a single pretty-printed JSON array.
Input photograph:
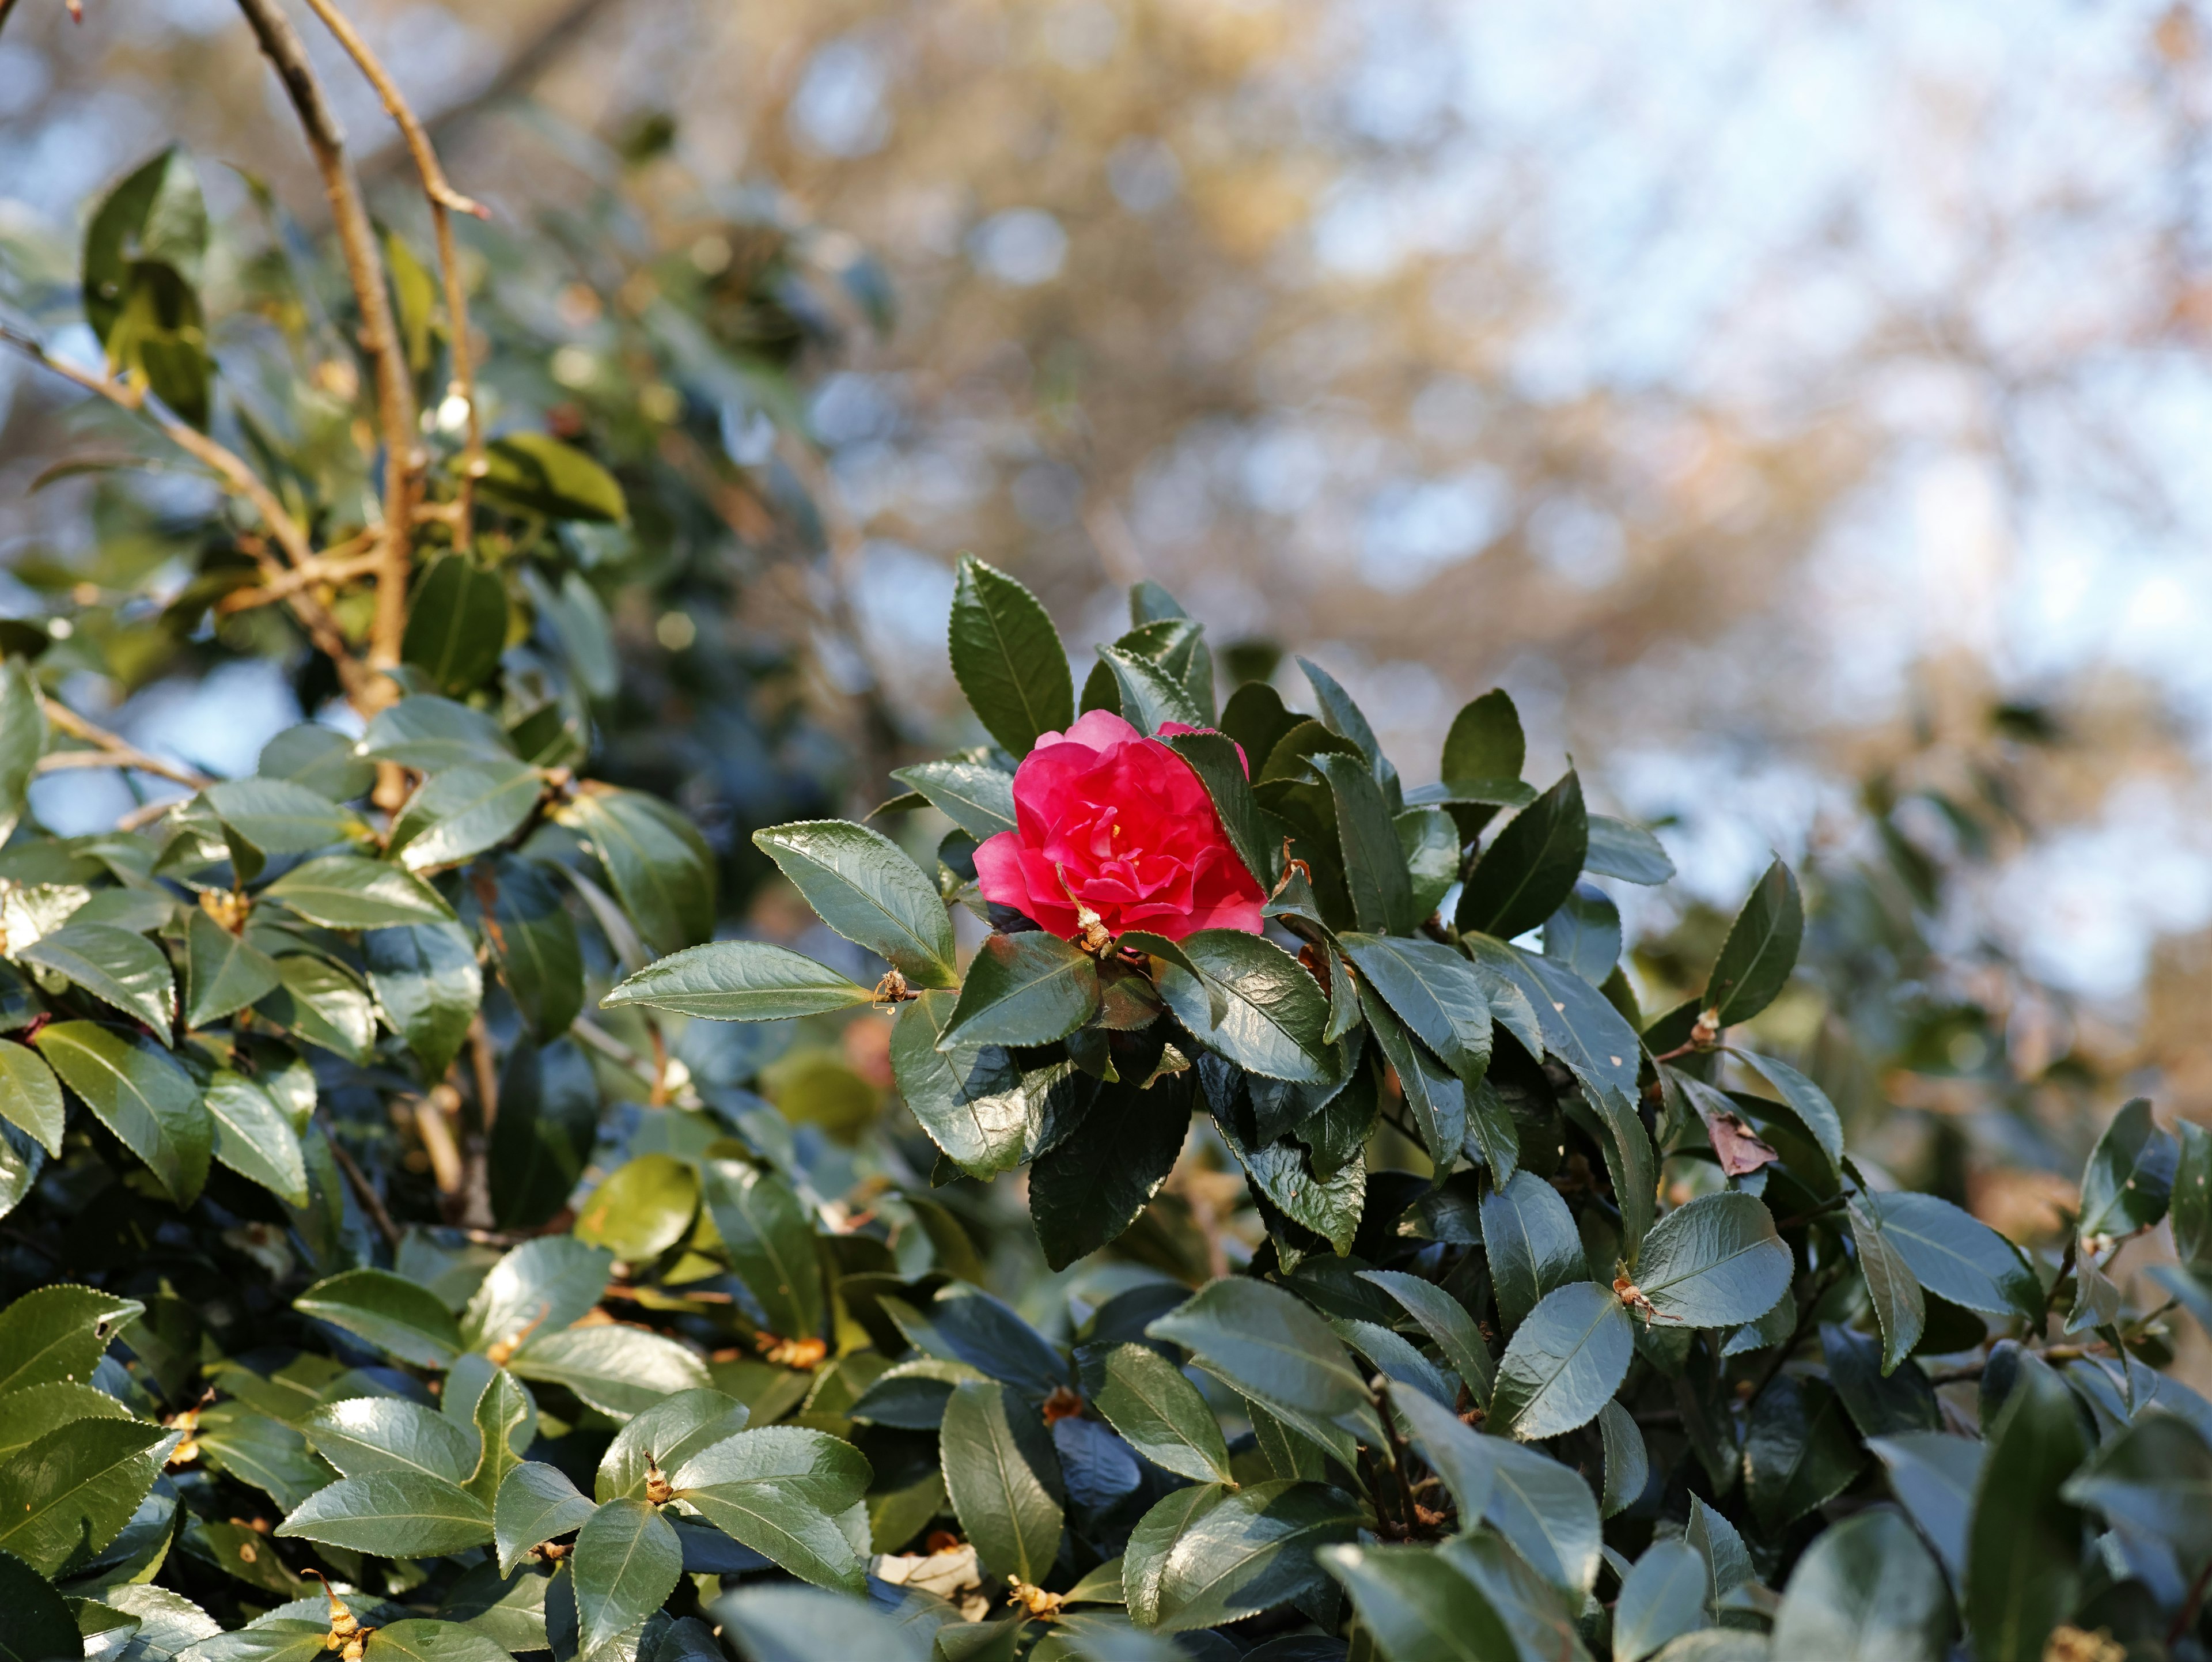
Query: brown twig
[
  {"x": 331, "y": 566},
  {"x": 445, "y": 202},
  {"x": 380, "y": 336},
  {"x": 358, "y": 1179},
  {"x": 112, "y": 751}
]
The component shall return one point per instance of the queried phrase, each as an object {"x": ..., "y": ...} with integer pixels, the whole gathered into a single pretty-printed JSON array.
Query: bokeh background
[{"x": 1802, "y": 408}]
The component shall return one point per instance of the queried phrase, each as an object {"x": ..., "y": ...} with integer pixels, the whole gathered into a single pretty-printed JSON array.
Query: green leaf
[
  {"x": 1899, "y": 1311},
  {"x": 1160, "y": 1413},
  {"x": 661, "y": 867},
  {"x": 462, "y": 812},
  {"x": 426, "y": 980},
  {"x": 1956, "y": 1255},
  {"x": 1433, "y": 990},
  {"x": 394, "y": 1314},
  {"x": 1530, "y": 869},
  {"x": 536, "y": 473},
  {"x": 540, "y": 1288},
  {"x": 1417, "y": 1607},
  {"x": 345, "y": 891},
  {"x": 1022, "y": 989},
  {"x": 75, "y": 1488},
  {"x": 1715, "y": 1261},
  {"x": 321, "y": 1003},
  {"x": 979, "y": 799},
  {"x": 1880, "y": 1403},
  {"x": 1268, "y": 1344},
  {"x": 22, "y": 740},
  {"x": 1806, "y": 1100},
  {"x": 1343, "y": 716},
  {"x": 425, "y": 1641},
  {"x": 1761, "y": 950},
  {"x": 975, "y": 1101},
  {"x": 1374, "y": 863},
  {"x": 739, "y": 980},
  {"x": 1934, "y": 1474},
  {"x": 138, "y": 1091},
  {"x": 862, "y": 886},
  {"x": 549, "y": 1116},
  {"x": 1445, "y": 1320},
  {"x": 2192, "y": 1194},
  {"x": 1251, "y": 1552},
  {"x": 1430, "y": 841},
  {"x": 628, "y": 1561},
  {"x": 1144, "y": 1561},
  {"x": 256, "y": 1449},
  {"x": 537, "y": 1503},
  {"x": 667, "y": 1434},
  {"x": 455, "y": 624},
  {"x": 1534, "y": 1247},
  {"x": 393, "y": 1514},
  {"x": 1627, "y": 1460},
  {"x": 784, "y": 1623},
  {"x": 1662, "y": 1598},
  {"x": 1585, "y": 933},
  {"x": 506, "y": 1422},
  {"x": 29, "y": 1095},
  {"x": 2023, "y": 1566},
  {"x": 39, "y": 1628},
  {"x": 2153, "y": 1477},
  {"x": 1866, "y": 1591},
  {"x": 223, "y": 973},
  {"x": 29, "y": 1414},
  {"x": 1007, "y": 658},
  {"x": 1256, "y": 836},
  {"x": 1563, "y": 1363},
  {"x": 361, "y": 1436},
  {"x": 1003, "y": 1481},
  {"x": 645, "y": 1206},
  {"x": 1628, "y": 852},
  {"x": 516, "y": 908},
  {"x": 254, "y": 1137},
  {"x": 769, "y": 1234},
  {"x": 780, "y": 1490},
  {"x": 430, "y": 734},
  {"x": 321, "y": 758},
  {"x": 57, "y": 1334},
  {"x": 1275, "y": 1011},
  {"x": 1800, "y": 1450},
  {"x": 155, "y": 216},
  {"x": 280, "y": 817},
  {"x": 1086, "y": 1189},
  {"x": 118, "y": 968},
  {"x": 2130, "y": 1176},
  {"x": 1149, "y": 698},
  {"x": 621, "y": 1370},
  {"x": 1728, "y": 1561}
]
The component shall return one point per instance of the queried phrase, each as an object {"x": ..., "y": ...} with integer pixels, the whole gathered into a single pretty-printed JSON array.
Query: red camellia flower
[{"x": 1108, "y": 822}]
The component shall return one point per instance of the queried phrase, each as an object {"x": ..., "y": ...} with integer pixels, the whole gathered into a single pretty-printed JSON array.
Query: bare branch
[
  {"x": 323, "y": 569},
  {"x": 395, "y": 393},
  {"x": 113, "y": 751}
]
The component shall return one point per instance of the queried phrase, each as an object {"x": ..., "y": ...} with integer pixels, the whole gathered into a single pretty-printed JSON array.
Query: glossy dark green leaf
[
  {"x": 1417, "y": 1607},
  {"x": 1761, "y": 950},
  {"x": 1251, "y": 1552},
  {"x": 514, "y": 905},
  {"x": 2023, "y": 1565},
  {"x": 662, "y": 870},
  {"x": 22, "y": 740},
  {"x": 323, "y": 1004},
  {"x": 506, "y": 1424},
  {"x": 1486, "y": 740},
  {"x": 645, "y": 1206},
  {"x": 1003, "y": 1481},
  {"x": 115, "y": 966},
  {"x": 455, "y": 624},
  {"x": 1564, "y": 1362},
  {"x": 138, "y": 1091},
  {"x": 254, "y": 1137},
  {"x": 390, "y": 1311},
  {"x": 1866, "y": 1591},
  {"x": 429, "y": 734},
  {"x": 1007, "y": 658},
  {"x": 346, "y": 892},
  {"x": 1435, "y": 1096},
  {"x": 621, "y": 1370},
  {"x": 979, "y": 799},
  {"x": 1148, "y": 696},
  {"x": 1022, "y": 989},
  {"x": 393, "y": 1514},
  {"x": 549, "y": 1113},
  {"x": 1807, "y": 1101},
  {"x": 1800, "y": 1450},
  {"x": 666, "y": 1435},
  {"x": 769, "y": 1235},
  {"x": 38, "y": 1627},
  {"x": 426, "y": 980},
  {"x": 740, "y": 981},
  {"x": 1662, "y": 1597},
  {"x": 1585, "y": 933},
  {"x": 1934, "y": 1474},
  {"x": 1715, "y": 1261},
  {"x": 537, "y": 1503},
  {"x": 1534, "y": 1247},
  {"x": 862, "y": 886},
  {"x": 1176, "y": 645},
  {"x": 282, "y": 817},
  {"x": 1433, "y": 990},
  {"x": 1956, "y": 1255},
  {"x": 462, "y": 812},
  {"x": 1429, "y": 842},
  {"x": 30, "y": 1097},
  {"x": 1343, "y": 716},
  {"x": 1899, "y": 1311},
  {"x": 2130, "y": 1176},
  {"x": 321, "y": 758},
  {"x": 539, "y": 1288},
  {"x": 1275, "y": 1013},
  {"x": 421, "y": 1640},
  {"x": 1268, "y": 1344},
  {"x": 29, "y": 1414},
  {"x": 1446, "y": 1322},
  {"x": 259, "y": 1450},
  {"x": 1618, "y": 849},
  {"x": 2155, "y": 1476},
  {"x": 627, "y": 1560},
  {"x": 1158, "y": 1412},
  {"x": 781, "y": 1490},
  {"x": 1256, "y": 835},
  {"x": 1330, "y": 1206},
  {"x": 1628, "y": 1460},
  {"x": 1880, "y": 1403},
  {"x": 1531, "y": 869},
  {"x": 1546, "y": 1511},
  {"x": 360, "y": 1435},
  {"x": 76, "y": 1487},
  {"x": 784, "y": 1623},
  {"x": 536, "y": 473},
  {"x": 1374, "y": 863},
  {"x": 1087, "y": 1189},
  {"x": 973, "y": 1101},
  {"x": 223, "y": 973},
  {"x": 2192, "y": 1194}
]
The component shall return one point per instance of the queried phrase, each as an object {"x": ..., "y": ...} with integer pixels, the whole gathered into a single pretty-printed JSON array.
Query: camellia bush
[{"x": 1218, "y": 1201}]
